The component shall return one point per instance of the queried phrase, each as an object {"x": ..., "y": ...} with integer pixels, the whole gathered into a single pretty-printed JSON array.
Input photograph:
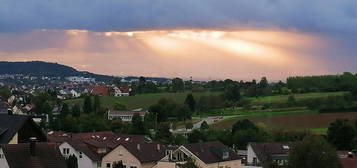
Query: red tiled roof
[
  {"x": 100, "y": 90},
  {"x": 124, "y": 89},
  {"x": 148, "y": 152}
]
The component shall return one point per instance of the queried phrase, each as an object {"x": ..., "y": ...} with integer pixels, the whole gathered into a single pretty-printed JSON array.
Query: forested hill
[{"x": 38, "y": 68}]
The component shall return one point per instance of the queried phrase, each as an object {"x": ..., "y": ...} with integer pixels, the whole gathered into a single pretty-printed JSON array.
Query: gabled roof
[
  {"x": 100, "y": 90},
  {"x": 82, "y": 147},
  {"x": 47, "y": 156},
  {"x": 12, "y": 124},
  {"x": 265, "y": 151},
  {"x": 211, "y": 152},
  {"x": 148, "y": 152}
]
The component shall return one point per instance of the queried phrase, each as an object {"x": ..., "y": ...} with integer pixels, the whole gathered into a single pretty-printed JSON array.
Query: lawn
[
  {"x": 291, "y": 121},
  {"x": 142, "y": 100},
  {"x": 284, "y": 98}
]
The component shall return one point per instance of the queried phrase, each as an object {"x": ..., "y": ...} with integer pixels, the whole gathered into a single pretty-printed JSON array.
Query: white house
[
  {"x": 124, "y": 115},
  {"x": 80, "y": 79},
  {"x": 260, "y": 153},
  {"x": 86, "y": 157},
  {"x": 121, "y": 91},
  {"x": 204, "y": 155}
]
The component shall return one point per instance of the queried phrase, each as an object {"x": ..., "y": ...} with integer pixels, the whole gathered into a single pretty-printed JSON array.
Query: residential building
[
  {"x": 260, "y": 153},
  {"x": 135, "y": 155},
  {"x": 18, "y": 129},
  {"x": 204, "y": 155},
  {"x": 121, "y": 91},
  {"x": 33, "y": 154},
  {"x": 124, "y": 115},
  {"x": 80, "y": 79}
]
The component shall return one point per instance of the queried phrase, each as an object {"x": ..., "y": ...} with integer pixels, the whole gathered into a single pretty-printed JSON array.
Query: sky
[{"x": 205, "y": 39}]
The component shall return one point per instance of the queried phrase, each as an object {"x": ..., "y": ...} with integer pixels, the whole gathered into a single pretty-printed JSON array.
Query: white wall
[
  {"x": 84, "y": 162},
  {"x": 120, "y": 154},
  {"x": 251, "y": 155},
  {"x": 3, "y": 161}
]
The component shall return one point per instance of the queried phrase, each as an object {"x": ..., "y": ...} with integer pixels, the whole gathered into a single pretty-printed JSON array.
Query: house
[
  {"x": 135, "y": 155},
  {"x": 121, "y": 91},
  {"x": 124, "y": 115},
  {"x": 100, "y": 91},
  {"x": 260, "y": 153},
  {"x": 85, "y": 156},
  {"x": 18, "y": 129},
  {"x": 89, "y": 148},
  {"x": 33, "y": 154},
  {"x": 204, "y": 155}
]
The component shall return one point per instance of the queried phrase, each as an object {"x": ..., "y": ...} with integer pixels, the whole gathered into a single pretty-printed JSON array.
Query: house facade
[
  {"x": 260, "y": 153},
  {"x": 135, "y": 155},
  {"x": 206, "y": 155},
  {"x": 124, "y": 115},
  {"x": 85, "y": 157}
]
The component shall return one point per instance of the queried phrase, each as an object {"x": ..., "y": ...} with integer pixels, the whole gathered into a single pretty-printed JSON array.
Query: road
[{"x": 209, "y": 120}]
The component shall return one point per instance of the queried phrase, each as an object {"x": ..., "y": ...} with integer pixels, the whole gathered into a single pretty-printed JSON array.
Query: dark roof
[
  {"x": 47, "y": 156},
  {"x": 264, "y": 151},
  {"x": 82, "y": 147},
  {"x": 211, "y": 152},
  {"x": 114, "y": 112},
  {"x": 11, "y": 124},
  {"x": 148, "y": 152}
]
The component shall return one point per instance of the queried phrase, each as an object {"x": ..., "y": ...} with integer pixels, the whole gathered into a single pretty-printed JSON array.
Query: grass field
[
  {"x": 284, "y": 98},
  {"x": 291, "y": 121},
  {"x": 142, "y": 100}
]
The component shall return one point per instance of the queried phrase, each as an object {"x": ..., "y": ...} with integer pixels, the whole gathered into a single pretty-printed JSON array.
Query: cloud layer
[{"x": 331, "y": 16}]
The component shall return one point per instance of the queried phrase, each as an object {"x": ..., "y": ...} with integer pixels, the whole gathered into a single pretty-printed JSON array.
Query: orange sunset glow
[{"x": 204, "y": 54}]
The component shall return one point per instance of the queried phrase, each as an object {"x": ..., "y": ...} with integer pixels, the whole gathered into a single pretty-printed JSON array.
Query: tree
[
  {"x": 117, "y": 126},
  {"x": 291, "y": 101},
  {"x": 233, "y": 92},
  {"x": 71, "y": 162},
  {"x": 96, "y": 104},
  {"x": 87, "y": 106},
  {"x": 243, "y": 125},
  {"x": 5, "y": 93},
  {"x": 204, "y": 125},
  {"x": 190, "y": 102},
  {"x": 189, "y": 164},
  {"x": 163, "y": 133},
  {"x": 76, "y": 111},
  {"x": 120, "y": 107},
  {"x": 189, "y": 125},
  {"x": 314, "y": 152},
  {"x": 341, "y": 134},
  {"x": 65, "y": 110},
  {"x": 177, "y": 84},
  {"x": 138, "y": 125}
]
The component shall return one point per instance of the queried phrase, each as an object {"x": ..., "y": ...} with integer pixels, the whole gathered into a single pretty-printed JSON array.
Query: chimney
[
  {"x": 138, "y": 146},
  {"x": 33, "y": 146},
  {"x": 158, "y": 147}
]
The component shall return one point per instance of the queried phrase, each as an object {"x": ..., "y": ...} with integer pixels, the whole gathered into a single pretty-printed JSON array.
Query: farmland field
[
  {"x": 314, "y": 121},
  {"x": 142, "y": 100},
  {"x": 284, "y": 98}
]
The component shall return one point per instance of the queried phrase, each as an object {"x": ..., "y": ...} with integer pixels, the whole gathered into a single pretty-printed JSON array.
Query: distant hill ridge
[{"x": 39, "y": 68}]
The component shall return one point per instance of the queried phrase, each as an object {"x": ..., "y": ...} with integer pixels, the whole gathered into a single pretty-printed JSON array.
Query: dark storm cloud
[{"x": 330, "y": 16}]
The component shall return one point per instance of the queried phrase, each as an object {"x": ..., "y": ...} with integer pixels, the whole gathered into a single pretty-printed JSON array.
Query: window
[
  {"x": 80, "y": 154},
  {"x": 120, "y": 152},
  {"x": 133, "y": 167},
  {"x": 65, "y": 151},
  {"x": 2, "y": 156},
  {"x": 99, "y": 164},
  {"x": 108, "y": 165},
  {"x": 255, "y": 161}
]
